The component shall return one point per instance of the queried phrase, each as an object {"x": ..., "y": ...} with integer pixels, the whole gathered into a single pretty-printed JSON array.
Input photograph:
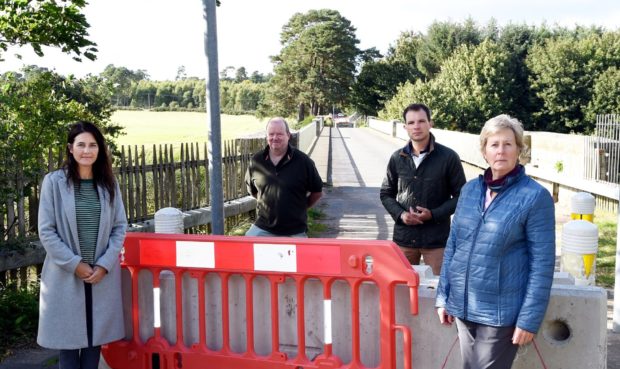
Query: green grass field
[{"x": 148, "y": 128}]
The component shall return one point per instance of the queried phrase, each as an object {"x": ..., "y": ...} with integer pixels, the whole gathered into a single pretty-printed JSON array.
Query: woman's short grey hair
[{"x": 496, "y": 124}]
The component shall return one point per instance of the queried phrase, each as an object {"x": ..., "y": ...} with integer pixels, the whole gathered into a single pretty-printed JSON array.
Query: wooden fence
[
  {"x": 164, "y": 176},
  {"x": 159, "y": 178}
]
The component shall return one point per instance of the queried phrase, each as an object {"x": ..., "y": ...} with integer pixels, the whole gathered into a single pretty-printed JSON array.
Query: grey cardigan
[{"x": 62, "y": 313}]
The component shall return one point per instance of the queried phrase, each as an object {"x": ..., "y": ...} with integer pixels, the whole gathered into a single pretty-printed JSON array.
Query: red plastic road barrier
[{"x": 275, "y": 259}]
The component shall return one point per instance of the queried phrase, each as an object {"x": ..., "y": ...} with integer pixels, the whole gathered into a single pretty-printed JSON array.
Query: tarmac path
[{"x": 359, "y": 159}]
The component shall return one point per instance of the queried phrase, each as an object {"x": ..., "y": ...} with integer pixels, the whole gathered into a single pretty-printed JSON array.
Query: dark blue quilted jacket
[{"x": 498, "y": 264}]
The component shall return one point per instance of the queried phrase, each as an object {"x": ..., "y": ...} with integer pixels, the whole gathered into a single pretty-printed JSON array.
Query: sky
[{"x": 159, "y": 36}]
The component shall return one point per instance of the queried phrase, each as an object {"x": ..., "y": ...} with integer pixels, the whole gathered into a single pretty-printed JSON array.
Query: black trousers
[
  {"x": 486, "y": 347},
  {"x": 87, "y": 357}
]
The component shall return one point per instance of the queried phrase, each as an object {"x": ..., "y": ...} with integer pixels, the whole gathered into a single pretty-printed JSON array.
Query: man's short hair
[
  {"x": 417, "y": 107},
  {"x": 279, "y": 119}
]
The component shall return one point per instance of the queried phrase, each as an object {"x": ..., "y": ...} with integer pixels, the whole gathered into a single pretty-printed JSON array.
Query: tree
[
  {"x": 441, "y": 40},
  {"x": 121, "y": 80},
  {"x": 46, "y": 23},
  {"x": 257, "y": 77},
  {"x": 517, "y": 40},
  {"x": 36, "y": 107},
  {"x": 241, "y": 75},
  {"x": 376, "y": 83},
  {"x": 605, "y": 95},
  {"x": 405, "y": 53},
  {"x": 474, "y": 84},
  {"x": 181, "y": 73},
  {"x": 316, "y": 64},
  {"x": 563, "y": 71},
  {"x": 378, "y": 80},
  {"x": 226, "y": 73}
]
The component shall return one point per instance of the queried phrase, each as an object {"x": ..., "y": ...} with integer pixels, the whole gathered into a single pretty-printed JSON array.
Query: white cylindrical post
[
  {"x": 582, "y": 206},
  {"x": 579, "y": 248},
  {"x": 169, "y": 220}
]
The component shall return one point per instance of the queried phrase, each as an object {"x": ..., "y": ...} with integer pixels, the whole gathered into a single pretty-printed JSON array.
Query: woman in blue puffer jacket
[{"x": 499, "y": 260}]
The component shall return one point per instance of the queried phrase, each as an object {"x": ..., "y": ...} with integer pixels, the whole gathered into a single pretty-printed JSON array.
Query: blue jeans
[{"x": 259, "y": 232}]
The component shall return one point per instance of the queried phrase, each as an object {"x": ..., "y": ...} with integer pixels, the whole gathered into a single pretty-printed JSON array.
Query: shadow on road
[{"x": 355, "y": 212}]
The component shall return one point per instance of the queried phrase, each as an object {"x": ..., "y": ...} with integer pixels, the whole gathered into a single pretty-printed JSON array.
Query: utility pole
[
  {"x": 616, "y": 316},
  {"x": 213, "y": 119}
]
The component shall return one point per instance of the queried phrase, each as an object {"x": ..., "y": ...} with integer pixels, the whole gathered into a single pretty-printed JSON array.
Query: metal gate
[{"x": 602, "y": 154}]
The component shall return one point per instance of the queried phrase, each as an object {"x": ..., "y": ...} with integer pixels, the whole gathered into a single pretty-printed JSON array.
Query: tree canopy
[
  {"x": 46, "y": 23},
  {"x": 554, "y": 79},
  {"x": 316, "y": 64}
]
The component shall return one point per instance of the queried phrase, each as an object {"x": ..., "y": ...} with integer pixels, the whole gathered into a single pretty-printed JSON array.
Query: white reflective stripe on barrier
[
  {"x": 327, "y": 321},
  {"x": 192, "y": 254},
  {"x": 156, "y": 310},
  {"x": 275, "y": 258}
]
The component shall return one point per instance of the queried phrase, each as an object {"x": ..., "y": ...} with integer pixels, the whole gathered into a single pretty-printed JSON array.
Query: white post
[{"x": 616, "y": 316}]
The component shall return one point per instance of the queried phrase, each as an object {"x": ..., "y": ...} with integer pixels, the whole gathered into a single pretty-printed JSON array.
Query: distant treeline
[{"x": 133, "y": 90}]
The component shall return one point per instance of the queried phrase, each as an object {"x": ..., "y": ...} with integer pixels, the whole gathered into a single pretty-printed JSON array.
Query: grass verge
[
  {"x": 315, "y": 228},
  {"x": 606, "y": 257}
]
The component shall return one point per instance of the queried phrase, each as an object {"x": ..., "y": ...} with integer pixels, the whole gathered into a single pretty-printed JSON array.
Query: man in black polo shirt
[{"x": 285, "y": 182}]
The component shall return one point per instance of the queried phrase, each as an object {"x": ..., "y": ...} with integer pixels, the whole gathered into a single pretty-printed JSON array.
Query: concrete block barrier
[{"x": 573, "y": 333}]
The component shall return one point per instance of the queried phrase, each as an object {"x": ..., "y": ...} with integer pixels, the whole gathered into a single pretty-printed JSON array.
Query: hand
[
  {"x": 522, "y": 337},
  {"x": 417, "y": 216},
  {"x": 444, "y": 317},
  {"x": 423, "y": 213},
  {"x": 97, "y": 276},
  {"x": 83, "y": 270}
]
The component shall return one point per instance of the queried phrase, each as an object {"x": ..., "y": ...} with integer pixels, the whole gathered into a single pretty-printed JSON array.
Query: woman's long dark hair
[{"x": 102, "y": 168}]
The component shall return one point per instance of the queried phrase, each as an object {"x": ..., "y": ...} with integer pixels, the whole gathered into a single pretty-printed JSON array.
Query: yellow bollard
[{"x": 587, "y": 217}]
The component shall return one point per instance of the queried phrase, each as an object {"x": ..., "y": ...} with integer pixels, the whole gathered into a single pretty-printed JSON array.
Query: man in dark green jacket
[{"x": 421, "y": 189}]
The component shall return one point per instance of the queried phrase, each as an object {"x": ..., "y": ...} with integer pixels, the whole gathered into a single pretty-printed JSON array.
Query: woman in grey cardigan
[{"x": 82, "y": 226}]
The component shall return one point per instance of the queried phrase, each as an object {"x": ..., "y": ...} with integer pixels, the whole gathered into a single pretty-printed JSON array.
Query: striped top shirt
[{"x": 87, "y": 213}]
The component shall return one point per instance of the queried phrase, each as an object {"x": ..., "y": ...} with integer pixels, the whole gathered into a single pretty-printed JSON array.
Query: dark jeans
[{"x": 88, "y": 357}]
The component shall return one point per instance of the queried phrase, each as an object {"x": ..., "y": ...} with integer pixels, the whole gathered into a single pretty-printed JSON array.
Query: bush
[
  {"x": 303, "y": 123},
  {"x": 19, "y": 316}
]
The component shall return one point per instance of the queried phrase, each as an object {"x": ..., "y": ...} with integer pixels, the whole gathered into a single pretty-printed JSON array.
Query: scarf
[{"x": 497, "y": 185}]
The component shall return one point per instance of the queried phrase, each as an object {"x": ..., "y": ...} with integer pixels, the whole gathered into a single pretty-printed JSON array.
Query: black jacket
[
  {"x": 435, "y": 185},
  {"x": 281, "y": 190}
]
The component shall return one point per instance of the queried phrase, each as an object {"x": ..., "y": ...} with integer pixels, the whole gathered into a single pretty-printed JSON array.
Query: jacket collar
[
  {"x": 287, "y": 156},
  {"x": 408, "y": 149},
  {"x": 510, "y": 180},
  {"x": 67, "y": 193}
]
